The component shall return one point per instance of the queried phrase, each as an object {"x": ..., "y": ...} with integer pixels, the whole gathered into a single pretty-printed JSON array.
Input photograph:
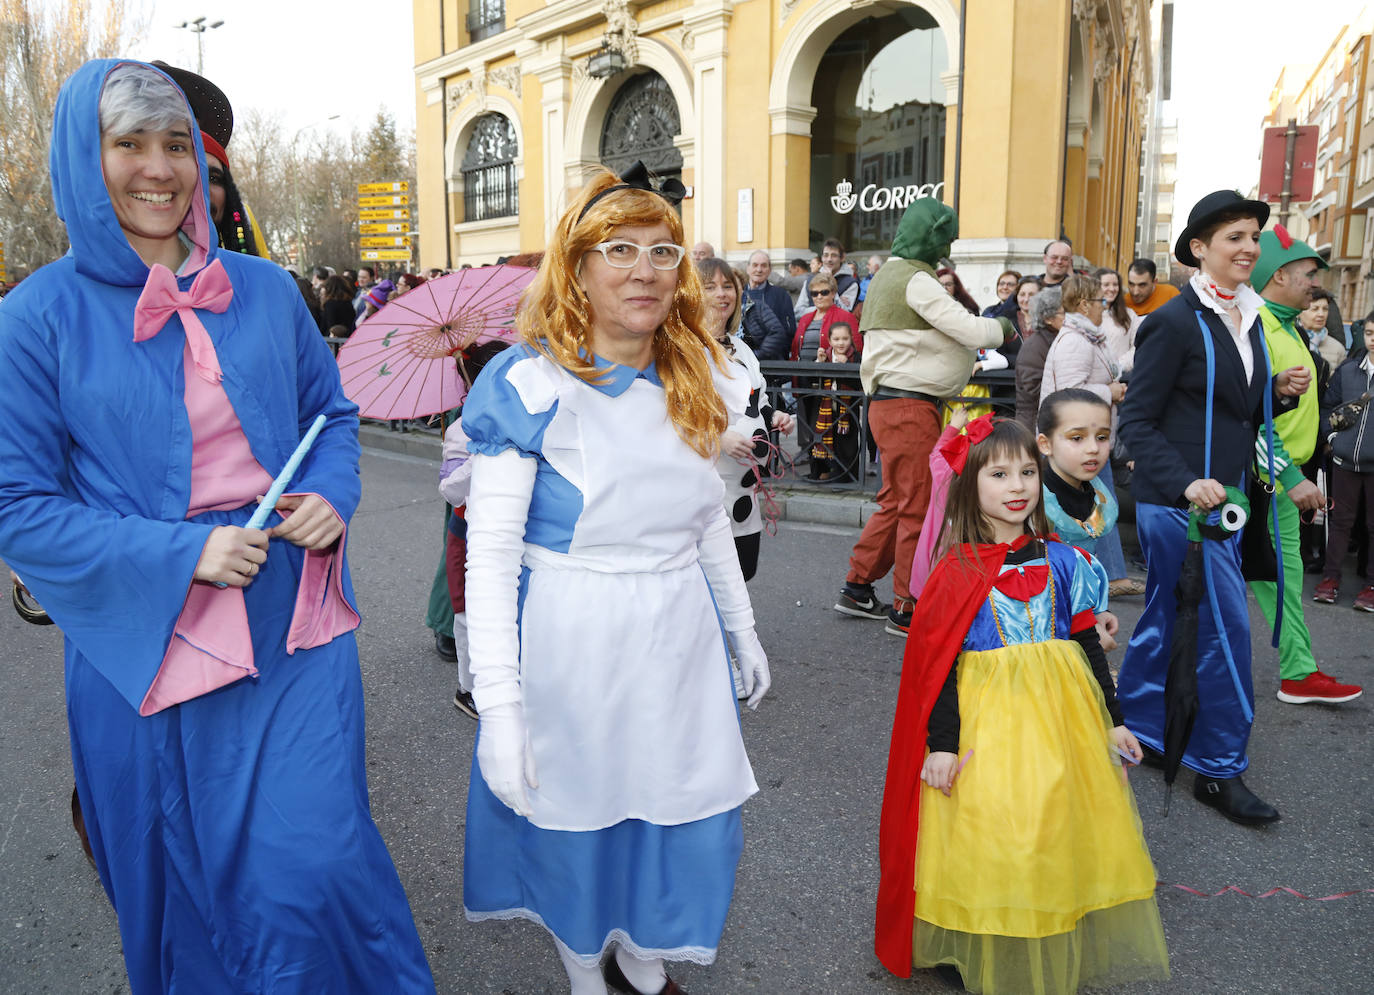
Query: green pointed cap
[{"x": 1278, "y": 248}]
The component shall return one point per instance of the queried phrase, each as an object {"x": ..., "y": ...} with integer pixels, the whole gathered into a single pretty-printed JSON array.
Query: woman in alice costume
[{"x": 602, "y": 588}]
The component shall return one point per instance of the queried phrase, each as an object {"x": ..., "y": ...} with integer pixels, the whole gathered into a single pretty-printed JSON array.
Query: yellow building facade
[{"x": 790, "y": 120}]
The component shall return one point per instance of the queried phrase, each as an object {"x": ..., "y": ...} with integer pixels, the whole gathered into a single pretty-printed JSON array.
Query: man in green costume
[
  {"x": 1285, "y": 275},
  {"x": 919, "y": 349}
]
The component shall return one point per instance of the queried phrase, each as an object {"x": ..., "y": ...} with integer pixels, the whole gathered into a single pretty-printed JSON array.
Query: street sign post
[
  {"x": 384, "y": 241},
  {"x": 384, "y": 225},
  {"x": 385, "y": 200},
  {"x": 383, "y": 214}
]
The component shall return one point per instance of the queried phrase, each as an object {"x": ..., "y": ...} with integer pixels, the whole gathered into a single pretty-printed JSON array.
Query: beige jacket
[{"x": 937, "y": 360}]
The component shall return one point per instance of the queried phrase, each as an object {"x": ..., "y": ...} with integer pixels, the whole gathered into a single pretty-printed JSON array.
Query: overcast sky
[
  {"x": 309, "y": 61},
  {"x": 1227, "y": 55},
  {"x": 305, "y": 60}
]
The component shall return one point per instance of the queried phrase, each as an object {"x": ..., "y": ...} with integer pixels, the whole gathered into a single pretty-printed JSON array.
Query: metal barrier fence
[{"x": 834, "y": 445}]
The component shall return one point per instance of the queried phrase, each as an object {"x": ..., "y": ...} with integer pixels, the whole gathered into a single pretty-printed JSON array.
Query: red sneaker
[
  {"x": 1330, "y": 589},
  {"x": 1364, "y": 601},
  {"x": 1318, "y": 687}
]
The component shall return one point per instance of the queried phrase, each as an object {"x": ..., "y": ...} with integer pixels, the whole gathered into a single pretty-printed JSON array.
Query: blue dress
[
  {"x": 624, "y": 676},
  {"x": 231, "y": 830}
]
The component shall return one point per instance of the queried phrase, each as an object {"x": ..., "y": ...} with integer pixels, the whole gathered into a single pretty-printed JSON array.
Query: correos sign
[{"x": 876, "y": 198}]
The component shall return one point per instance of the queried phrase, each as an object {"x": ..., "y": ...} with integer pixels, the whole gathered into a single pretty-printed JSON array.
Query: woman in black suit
[{"x": 1163, "y": 421}]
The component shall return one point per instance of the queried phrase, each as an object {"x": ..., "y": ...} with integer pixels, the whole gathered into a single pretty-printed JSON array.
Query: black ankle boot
[{"x": 1233, "y": 799}]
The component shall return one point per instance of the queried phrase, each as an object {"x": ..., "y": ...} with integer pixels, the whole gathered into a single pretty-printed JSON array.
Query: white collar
[{"x": 1247, "y": 302}]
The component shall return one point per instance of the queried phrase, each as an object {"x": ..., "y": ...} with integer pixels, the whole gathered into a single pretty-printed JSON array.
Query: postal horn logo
[{"x": 845, "y": 198}]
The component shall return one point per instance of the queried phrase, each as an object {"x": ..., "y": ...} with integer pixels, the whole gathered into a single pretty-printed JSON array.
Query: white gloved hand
[
  {"x": 753, "y": 665},
  {"x": 504, "y": 755}
]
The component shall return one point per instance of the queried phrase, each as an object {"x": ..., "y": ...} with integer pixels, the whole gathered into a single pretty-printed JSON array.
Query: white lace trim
[{"x": 697, "y": 955}]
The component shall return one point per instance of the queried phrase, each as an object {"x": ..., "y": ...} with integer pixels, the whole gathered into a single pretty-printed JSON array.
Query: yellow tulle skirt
[
  {"x": 974, "y": 410},
  {"x": 1033, "y": 875}
]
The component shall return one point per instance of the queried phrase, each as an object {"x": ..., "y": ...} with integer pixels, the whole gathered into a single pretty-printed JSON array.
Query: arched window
[
  {"x": 642, "y": 122},
  {"x": 489, "y": 188}
]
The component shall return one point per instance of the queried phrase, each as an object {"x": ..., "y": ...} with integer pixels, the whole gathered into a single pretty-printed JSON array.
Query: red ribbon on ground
[{"x": 1280, "y": 890}]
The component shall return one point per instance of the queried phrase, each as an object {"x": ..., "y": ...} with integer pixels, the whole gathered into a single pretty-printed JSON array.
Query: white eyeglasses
[{"x": 625, "y": 255}]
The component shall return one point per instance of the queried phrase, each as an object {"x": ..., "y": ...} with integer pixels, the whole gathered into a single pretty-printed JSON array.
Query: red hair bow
[{"x": 955, "y": 451}]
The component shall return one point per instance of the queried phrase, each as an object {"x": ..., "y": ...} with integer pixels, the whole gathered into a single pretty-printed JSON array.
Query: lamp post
[
  {"x": 296, "y": 169},
  {"x": 199, "y": 27}
]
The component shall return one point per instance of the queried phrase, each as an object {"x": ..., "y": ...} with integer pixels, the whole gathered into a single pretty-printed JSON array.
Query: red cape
[{"x": 945, "y": 612}]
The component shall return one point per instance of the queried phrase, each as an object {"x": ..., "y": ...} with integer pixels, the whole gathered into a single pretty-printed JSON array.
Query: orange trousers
[{"x": 906, "y": 430}]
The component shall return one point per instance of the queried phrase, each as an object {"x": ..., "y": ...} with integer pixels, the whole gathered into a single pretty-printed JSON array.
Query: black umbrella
[{"x": 1180, "y": 682}]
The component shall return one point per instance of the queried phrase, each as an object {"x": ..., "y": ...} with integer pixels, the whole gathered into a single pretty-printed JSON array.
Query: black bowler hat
[
  {"x": 1207, "y": 210},
  {"x": 214, "y": 115}
]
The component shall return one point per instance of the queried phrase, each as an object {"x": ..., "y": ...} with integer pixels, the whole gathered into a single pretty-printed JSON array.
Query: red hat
[{"x": 214, "y": 148}]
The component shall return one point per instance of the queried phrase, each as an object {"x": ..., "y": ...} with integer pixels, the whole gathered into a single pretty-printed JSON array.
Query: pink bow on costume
[{"x": 210, "y": 290}]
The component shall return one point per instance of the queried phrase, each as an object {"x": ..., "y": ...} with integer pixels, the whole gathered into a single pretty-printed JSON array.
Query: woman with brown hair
[
  {"x": 600, "y": 574},
  {"x": 1118, "y": 321},
  {"x": 1196, "y": 404},
  {"x": 745, "y": 442},
  {"x": 337, "y": 304}
]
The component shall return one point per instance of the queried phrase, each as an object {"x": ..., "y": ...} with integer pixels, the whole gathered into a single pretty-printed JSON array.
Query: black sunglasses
[{"x": 821, "y": 293}]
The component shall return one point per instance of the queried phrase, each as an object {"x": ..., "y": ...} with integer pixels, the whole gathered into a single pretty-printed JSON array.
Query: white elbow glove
[
  {"x": 498, "y": 507},
  {"x": 720, "y": 563},
  {"x": 504, "y": 756}
]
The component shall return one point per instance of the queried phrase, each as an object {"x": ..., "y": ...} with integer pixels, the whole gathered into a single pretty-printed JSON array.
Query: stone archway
[
  {"x": 643, "y": 123},
  {"x": 794, "y": 71},
  {"x": 792, "y": 113},
  {"x": 592, "y": 100}
]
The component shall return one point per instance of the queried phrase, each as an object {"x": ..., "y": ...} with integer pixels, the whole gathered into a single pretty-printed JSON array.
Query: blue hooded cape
[{"x": 231, "y": 831}]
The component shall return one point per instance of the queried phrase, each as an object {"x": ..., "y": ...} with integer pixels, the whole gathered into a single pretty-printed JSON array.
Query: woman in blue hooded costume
[{"x": 150, "y": 387}]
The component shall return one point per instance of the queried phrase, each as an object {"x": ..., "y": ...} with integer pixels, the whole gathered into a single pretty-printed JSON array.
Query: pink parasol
[{"x": 399, "y": 362}]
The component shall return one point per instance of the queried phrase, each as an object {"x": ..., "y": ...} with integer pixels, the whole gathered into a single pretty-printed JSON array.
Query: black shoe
[
  {"x": 860, "y": 601},
  {"x": 950, "y": 975},
  {"x": 445, "y": 646},
  {"x": 1233, "y": 799},
  {"x": 898, "y": 622},
  {"x": 462, "y": 700},
  {"x": 615, "y": 977}
]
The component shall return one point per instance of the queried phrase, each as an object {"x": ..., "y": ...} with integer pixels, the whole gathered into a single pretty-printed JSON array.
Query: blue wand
[{"x": 274, "y": 493}]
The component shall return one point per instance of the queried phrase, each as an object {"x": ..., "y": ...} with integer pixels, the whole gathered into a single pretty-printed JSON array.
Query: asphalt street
[{"x": 802, "y": 914}]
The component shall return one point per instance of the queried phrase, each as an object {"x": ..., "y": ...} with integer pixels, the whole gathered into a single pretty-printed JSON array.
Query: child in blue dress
[
  {"x": 1075, "y": 437},
  {"x": 1019, "y": 862}
]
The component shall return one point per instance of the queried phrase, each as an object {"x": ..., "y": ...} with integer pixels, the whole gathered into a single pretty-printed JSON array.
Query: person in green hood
[
  {"x": 1286, "y": 273},
  {"x": 920, "y": 345}
]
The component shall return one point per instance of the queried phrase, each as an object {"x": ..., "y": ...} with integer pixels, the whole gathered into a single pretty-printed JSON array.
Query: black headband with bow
[{"x": 636, "y": 177}]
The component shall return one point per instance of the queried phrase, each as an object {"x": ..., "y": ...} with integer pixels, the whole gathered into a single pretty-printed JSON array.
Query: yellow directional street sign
[
  {"x": 385, "y": 200},
  {"x": 383, "y": 241},
  {"x": 401, "y": 187},
  {"x": 386, "y": 255},
  {"x": 383, "y": 214},
  {"x": 384, "y": 228}
]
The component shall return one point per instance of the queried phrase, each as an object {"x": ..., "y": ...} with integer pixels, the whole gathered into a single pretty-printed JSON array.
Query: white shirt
[{"x": 1248, "y": 303}]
